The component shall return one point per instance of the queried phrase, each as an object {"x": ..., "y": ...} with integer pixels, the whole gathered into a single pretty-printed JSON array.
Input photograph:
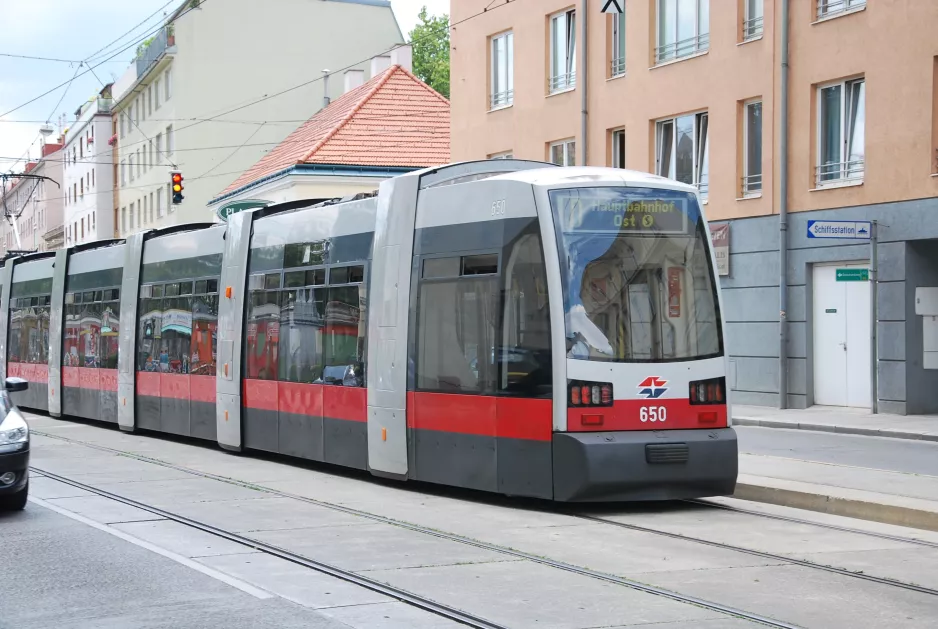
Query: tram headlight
[{"x": 14, "y": 432}]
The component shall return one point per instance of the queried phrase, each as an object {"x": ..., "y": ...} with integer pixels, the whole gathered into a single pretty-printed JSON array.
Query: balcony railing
[
  {"x": 150, "y": 55},
  {"x": 561, "y": 82},
  {"x": 617, "y": 66},
  {"x": 682, "y": 48},
  {"x": 829, "y": 8},
  {"x": 839, "y": 172},
  {"x": 703, "y": 187},
  {"x": 752, "y": 184},
  {"x": 752, "y": 28},
  {"x": 501, "y": 99}
]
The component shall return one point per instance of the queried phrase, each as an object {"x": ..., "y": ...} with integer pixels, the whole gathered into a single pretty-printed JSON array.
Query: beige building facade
[{"x": 692, "y": 90}]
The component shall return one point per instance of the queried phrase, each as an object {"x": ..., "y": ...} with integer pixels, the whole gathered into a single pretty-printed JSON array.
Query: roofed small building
[{"x": 391, "y": 124}]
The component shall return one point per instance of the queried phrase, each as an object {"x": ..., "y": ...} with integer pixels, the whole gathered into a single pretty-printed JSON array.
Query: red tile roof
[{"x": 395, "y": 119}]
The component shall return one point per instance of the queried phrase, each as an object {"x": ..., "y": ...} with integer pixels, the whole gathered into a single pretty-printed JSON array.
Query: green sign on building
[
  {"x": 227, "y": 209},
  {"x": 853, "y": 275}
]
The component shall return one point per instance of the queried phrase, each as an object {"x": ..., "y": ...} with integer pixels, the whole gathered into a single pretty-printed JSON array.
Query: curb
[
  {"x": 832, "y": 428},
  {"x": 832, "y": 505}
]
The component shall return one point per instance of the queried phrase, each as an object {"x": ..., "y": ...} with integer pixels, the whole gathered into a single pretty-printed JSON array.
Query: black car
[{"x": 14, "y": 449}]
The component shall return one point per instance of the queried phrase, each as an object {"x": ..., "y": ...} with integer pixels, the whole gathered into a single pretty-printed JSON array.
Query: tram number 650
[{"x": 653, "y": 413}]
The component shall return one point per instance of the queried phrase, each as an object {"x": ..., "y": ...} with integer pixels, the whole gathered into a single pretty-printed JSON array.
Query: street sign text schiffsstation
[
  {"x": 853, "y": 275},
  {"x": 847, "y": 230}
]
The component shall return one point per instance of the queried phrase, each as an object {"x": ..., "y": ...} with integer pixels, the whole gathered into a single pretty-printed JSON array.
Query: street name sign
[
  {"x": 613, "y": 6},
  {"x": 853, "y": 275},
  {"x": 847, "y": 230},
  {"x": 227, "y": 209}
]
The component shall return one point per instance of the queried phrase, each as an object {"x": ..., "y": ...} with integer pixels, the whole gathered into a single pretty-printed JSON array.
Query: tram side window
[
  {"x": 149, "y": 332},
  {"x": 204, "y": 342},
  {"x": 302, "y": 313},
  {"x": 524, "y": 357},
  {"x": 262, "y": 332},
  {"x": 110, "y": 328},
  {"x": 176, "y": 337},
  {"x": 29, "y": 329},
  {"x": 457, "y": 321},
  {"x": 71, "y": 353},
  {"x": 345, "y": 327}
]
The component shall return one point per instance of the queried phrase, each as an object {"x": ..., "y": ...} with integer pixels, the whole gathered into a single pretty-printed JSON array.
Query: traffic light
[{"x": 177, "y": 188}]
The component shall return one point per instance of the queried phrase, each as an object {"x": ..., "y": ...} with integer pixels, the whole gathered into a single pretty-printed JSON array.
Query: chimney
[
  {"x": 403, "y": 56},
  {"x": 325, "y": 89},
  {"x": 379, "y": 65},
  {"x": 353, "y": 79}
]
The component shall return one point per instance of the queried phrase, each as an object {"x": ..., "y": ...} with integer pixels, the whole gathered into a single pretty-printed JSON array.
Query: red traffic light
[{"x": 177, "y": 178}]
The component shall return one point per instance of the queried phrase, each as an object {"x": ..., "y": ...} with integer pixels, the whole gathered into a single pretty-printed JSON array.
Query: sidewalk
[
  {"x": 837, "y": 473},
  {"x": 840, "y": 420}
]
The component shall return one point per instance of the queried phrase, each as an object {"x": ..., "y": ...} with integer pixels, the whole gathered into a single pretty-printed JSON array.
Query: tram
[{"x": 502, "y": 325}]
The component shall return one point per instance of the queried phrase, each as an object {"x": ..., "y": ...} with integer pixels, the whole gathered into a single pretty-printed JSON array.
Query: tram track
[
  {"x": 713, "y": 606},
  {"x": 764, "y": 555},
  {"x": 400, "y": 594}
]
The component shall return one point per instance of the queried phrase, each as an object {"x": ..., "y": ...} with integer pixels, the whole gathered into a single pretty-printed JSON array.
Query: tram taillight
[
  {"x": 588, "y": 394},
  {"x": 711, "y": 391}
]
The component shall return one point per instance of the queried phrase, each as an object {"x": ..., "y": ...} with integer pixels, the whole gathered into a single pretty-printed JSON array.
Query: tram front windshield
[{"x": 638, "y": 283}]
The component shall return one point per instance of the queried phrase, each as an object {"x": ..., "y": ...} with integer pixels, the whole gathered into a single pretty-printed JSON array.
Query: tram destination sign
[
  {"x": 661, "y": 216},
  {"x": 845, "y": 230}
]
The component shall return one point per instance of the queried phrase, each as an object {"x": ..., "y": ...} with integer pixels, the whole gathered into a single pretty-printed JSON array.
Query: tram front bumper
[{"x": 644, "y": 465}]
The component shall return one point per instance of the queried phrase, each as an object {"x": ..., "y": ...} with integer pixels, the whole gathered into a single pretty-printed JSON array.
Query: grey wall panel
[
  {"x": 893, "y": 408},
  {"x": 752, "y": 339},
  {"x": 891, "y": 340},
  {"x": 892, "y": 301},
  {"x": 750, "y": 304},
  {"x": 892, "y": 266},
  {"x": 758, "y": 375},
  {"x": 921, "y": 394},
  {"x": 797, "y": 402},
  {"x": 755, "y": 398},
  {"x": 797, "y": 376},
  {"x": 753, "y": 269},
  {"x": 748, "y": 235},
  {"x": 797, "y": 303},
  {"x": 892, "y": 380},
  {"x": 800, "y": 261},
  {"x": 797, "y": 339}
]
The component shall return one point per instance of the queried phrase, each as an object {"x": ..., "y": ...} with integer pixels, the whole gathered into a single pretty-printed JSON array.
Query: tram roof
[{"x": 591, "y": 174}]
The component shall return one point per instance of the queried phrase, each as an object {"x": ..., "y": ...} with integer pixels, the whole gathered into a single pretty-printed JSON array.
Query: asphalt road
[
  {"x": 898, "y": 455},
  {"x": 59, "y": 573}
]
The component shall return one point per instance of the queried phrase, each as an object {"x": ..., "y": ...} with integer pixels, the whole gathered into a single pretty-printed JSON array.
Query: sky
[{"x": 71, "y": 31}]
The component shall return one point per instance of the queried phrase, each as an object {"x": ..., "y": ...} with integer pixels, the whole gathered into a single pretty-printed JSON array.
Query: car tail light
[
  {"x": 590, "y": 394},
  {"x": 711, "y": 391}
]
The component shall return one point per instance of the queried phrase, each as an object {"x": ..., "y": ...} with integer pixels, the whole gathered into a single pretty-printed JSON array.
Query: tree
[{"x": 430, "y": 41}]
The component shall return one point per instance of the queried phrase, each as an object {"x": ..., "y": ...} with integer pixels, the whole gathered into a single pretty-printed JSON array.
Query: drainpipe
[
  {"x": 783, "y": 224},
  {"x": 584, "y": 143}
]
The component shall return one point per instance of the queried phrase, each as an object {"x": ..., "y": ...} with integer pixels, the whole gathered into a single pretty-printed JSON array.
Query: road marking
[{"x": 245, "y": 587}]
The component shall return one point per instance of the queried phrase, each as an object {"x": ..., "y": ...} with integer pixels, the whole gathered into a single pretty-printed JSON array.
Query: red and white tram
[{"x": 503, "y": 325}]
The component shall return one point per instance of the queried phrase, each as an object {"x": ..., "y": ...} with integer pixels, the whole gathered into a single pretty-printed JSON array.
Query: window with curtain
[
  {"x": 752, "y": 21},
  {"x": 841, "y": 120},
  {"x": 682, "y": 151},
  {"x": 617, "y": 63},
  {"x": 752, "y": 148},
  {"x": 683, "y": 28},
  {"x": 503, "y": 74},
  {"x": 562, "y": 51}
]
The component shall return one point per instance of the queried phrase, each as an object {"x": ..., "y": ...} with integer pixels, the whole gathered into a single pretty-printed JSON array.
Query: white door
[{"x": 841, "y": 338}]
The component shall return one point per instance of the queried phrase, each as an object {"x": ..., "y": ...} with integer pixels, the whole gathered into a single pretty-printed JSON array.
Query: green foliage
[
  {"x": 143, "y": 46},
  {"x": 430, "y": 41}
]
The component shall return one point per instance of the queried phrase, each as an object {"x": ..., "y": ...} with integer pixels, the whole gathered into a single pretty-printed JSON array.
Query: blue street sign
[{"x": 849, "y": 230}]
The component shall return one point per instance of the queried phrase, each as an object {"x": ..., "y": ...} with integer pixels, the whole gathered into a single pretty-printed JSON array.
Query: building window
[
  {"x": 618, "y": 148},
  {"x": 152, "y": 211},
  {"x": 159, "y": 203},
  {"x": 142, "y": 106},
  {"x": 503, "y": 74},
  {"x": 123, "y": 121},
  {"x": 131, "y": 215},
  {"x": 156, "y": 92},
  {"x": 150, "y": 100},
  {"x": 92, "y": 177},
  {"x": 683, "y": 28},
  {"x": 82, "y": 188},
  {"x": 752, "y": 21},
  {"x": 170, "y": 140},
  {"x": 123, "y": 173},
  {"x": 143, "y": 218},
  {"x": 682, "y": 149},
  {"x": 841, "y": 116},
  {"x": 169, "y": 196},
  {"x": 505, "y": 155},
  {"x": 94, "y": 222},
  {"x": 123, "y": 219},
  {"x": 752, "y": 148},
  {"x": 83, "y": 228},
  {"x": 152, "y": 160},
  {"x": 562, "y": 52},
  {"x": 830, "y": 8},
  {"x": 168, "y": 78},
  {"x": 563, "y": 153},
  {"x": 617, "y": 62}
]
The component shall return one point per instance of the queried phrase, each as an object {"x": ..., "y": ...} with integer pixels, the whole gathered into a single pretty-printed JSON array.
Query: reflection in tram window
[
  {"x": 263, "y": 335},
  {"x": 345, "y": 336},
  {"x": 29, "y": 330},
  {"x": 301, "y": 326},
  {"x": 203, "y": 350},
  {"x": 150, "y": 332}
]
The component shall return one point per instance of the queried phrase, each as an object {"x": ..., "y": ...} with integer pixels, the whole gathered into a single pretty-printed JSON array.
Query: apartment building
[
  {"x": 88, "y": 173},
  {"x": 35, "y": 205},
  {"x": 693, "y": 90},
  {"x": 222, "y": 84}
]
